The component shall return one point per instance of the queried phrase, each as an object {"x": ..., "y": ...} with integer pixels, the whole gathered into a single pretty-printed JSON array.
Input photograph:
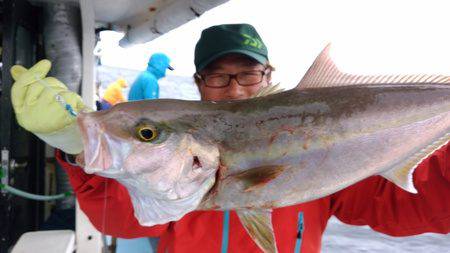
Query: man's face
[{"x": 232, "y": 64}]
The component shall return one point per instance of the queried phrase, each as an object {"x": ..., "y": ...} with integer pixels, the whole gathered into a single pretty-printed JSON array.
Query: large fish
[{"x": 253, "y": 155}]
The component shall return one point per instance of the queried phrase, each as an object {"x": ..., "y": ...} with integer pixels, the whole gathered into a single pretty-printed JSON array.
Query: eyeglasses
[{"x": 246, "y": 78}]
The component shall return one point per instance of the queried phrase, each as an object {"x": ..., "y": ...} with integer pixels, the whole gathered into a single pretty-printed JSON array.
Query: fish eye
[{"x": 146, "y": 133}]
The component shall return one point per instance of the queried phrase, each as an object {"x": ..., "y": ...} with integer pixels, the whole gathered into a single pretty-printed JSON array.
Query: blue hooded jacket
[{"x": 146, "y": 85}]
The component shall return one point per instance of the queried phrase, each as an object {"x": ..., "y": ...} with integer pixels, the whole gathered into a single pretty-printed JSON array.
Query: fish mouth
[{"x": 94, "y": 157}]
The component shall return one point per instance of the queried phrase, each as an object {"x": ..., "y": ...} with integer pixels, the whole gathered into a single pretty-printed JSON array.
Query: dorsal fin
[{"x": 324, "y": 73}]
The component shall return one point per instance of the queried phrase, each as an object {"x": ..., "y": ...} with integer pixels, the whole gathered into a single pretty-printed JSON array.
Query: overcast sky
[{"x": 396, "y": 36}]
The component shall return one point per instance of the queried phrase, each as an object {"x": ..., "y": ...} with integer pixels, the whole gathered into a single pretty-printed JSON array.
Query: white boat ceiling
[{"x": 144, "y": 20}]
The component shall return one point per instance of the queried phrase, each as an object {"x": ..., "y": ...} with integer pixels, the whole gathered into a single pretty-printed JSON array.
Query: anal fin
[
  {"x": 402, "y": 175},
  {"x": 258, "y": 224}
]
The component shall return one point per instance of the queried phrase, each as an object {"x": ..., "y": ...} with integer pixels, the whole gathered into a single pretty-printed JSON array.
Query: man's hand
[{"x": 45, "y": 107}]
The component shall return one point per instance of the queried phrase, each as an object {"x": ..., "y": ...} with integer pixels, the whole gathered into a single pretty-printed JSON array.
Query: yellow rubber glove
[{"x": 45, "y": 107}]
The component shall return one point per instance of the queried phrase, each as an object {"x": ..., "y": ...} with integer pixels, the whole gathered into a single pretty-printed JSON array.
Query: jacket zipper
[
  {"x": 225, "y": 231},
  {"x": 300, "y": 228}
]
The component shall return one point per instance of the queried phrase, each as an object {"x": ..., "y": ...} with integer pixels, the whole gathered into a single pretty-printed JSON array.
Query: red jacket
[{"x": 374, "y": 202}]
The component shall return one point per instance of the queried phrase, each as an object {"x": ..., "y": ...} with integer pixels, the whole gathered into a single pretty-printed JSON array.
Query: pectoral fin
[
  {"x": 258, "y": 224},
  {"x": 255, "y": 178},
  {"x": 402, "y": 175}
]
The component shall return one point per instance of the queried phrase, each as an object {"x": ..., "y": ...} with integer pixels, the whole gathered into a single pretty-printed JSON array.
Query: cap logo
[{"x": 251, "y": 41}]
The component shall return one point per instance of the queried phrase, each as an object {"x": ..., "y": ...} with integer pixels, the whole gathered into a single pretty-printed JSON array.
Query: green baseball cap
[{"x": 219, "y": 40}]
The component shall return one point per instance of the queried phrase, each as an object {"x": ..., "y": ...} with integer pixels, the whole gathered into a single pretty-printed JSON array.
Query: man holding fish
[{"x": 216, "y": 176}]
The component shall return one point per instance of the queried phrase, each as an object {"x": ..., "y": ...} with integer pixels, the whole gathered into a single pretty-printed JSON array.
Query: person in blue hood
[{"x": 146, "y": 85}]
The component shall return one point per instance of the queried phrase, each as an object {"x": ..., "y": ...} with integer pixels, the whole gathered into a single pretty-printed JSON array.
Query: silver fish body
[{"x": 309, "y": 143}]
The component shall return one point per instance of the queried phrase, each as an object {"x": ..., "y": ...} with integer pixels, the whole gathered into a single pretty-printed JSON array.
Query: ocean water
[{"x": 343, "y": 238}]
